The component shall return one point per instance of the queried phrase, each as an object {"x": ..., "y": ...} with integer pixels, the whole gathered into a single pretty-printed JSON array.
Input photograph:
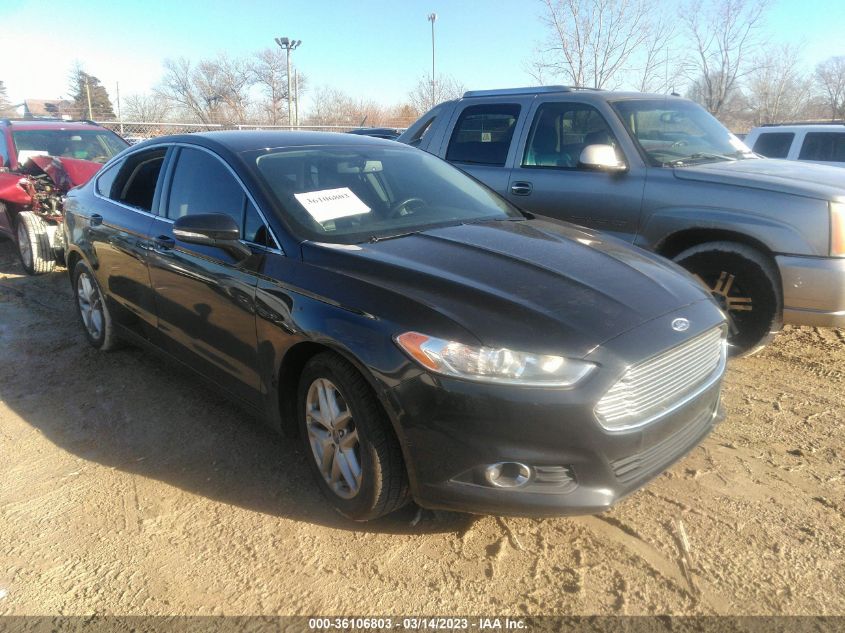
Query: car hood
[
  {"x": 531, "y": 285},
  {"x": 786, "y": 176}
]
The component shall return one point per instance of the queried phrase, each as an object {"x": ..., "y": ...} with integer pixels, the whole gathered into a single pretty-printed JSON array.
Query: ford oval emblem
[{"x": 680, "y": 325}]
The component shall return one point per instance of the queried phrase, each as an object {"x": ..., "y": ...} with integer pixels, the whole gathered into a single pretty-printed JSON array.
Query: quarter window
[
  {"x": 823, "y": 146},
  {"x": 774, "y": 144},
  {"x": 561, "y": 131},
  {"x": 483, "y": 134}
]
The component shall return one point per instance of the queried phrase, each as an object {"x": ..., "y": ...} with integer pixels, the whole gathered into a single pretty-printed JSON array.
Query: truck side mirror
[{"x": 601, "y": 158}]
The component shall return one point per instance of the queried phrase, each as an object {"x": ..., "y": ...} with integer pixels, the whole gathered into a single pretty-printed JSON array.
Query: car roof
[
  {"x": 815, "y": 127},
  {"x": 36, "y": 124},
  {"x": 603, "y": 95},
  {"x": 247, "y": 140}
]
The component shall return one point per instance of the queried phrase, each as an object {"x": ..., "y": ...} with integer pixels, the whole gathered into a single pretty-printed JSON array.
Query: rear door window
[
  {"x": 823, "y": 146},
  {"x": 774, "y": 144},
  {"x": 483, "y": 134}
]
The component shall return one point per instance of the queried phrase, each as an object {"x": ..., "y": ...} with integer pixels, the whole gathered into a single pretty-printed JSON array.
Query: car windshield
[
  {"x": 356, "y": 194},
  {"x": 675, "y": 133},
  {"x": 94, "y": 145}
]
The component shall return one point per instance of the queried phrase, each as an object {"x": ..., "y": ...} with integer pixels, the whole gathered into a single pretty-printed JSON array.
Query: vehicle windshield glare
[
  {"x": 94, "y": 145},
  {"x": 675, "y": 133},
  {"x": 356, "y": 194}
]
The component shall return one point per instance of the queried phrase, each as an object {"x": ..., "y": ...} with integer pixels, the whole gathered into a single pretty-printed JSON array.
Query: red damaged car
[{"x": 40, "y": 160}]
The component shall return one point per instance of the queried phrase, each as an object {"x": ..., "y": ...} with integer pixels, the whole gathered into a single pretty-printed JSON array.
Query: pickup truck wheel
[
  {"x": 92, "y": 309},
  {"x": 34, "y": 244},
  {"x": 349, "y": 442},
  {"x": 745, "y": 284}
]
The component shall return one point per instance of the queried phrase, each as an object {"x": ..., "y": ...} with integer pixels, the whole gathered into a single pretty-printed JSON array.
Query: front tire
[
  {"x": 33, "y": 241},
  {"x": 92, "y": 309},
  {"x": 349, "y": 443},
  {"x": 745, "y": 284}
]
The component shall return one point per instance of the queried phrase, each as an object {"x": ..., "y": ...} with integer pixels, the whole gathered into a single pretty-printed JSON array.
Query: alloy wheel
[
  {"x": 725, "y": 294},
  {"x": 333, "y": 437},
  {"x": 90, "y": 305}
]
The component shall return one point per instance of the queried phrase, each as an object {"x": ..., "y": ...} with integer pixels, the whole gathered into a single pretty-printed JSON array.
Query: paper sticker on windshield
[{"x": 331, "y": 204}]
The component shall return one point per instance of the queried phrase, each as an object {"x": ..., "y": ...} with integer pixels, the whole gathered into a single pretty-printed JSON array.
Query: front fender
[{"x": 777, "y": 234}]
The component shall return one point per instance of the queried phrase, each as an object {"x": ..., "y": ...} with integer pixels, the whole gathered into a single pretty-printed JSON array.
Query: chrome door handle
[{"x": 521, "y": 188}]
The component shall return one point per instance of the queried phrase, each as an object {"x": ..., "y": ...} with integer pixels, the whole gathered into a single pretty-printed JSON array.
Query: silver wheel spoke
[
  {"x": 333, "y": 438},
  {"x": 349, "y": 469}
]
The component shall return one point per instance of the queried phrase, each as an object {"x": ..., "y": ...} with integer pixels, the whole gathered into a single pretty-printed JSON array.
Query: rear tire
[
  {"x": 745, "y": 284},
  {"x": 349, "y": 442},
  {"x": 93, "y": 310},
  {"x": 33, "y": 242}
]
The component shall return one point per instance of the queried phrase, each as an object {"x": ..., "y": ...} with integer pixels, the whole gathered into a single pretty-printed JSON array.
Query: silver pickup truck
[{"x": 767, "y": 237}]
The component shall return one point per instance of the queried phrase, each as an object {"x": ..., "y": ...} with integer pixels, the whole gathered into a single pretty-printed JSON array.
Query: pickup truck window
[
  {"x": 824, "y": 146},
  {"x": 560, "y": 132},
  {"x": 483, "y": 133},
  {"x": 774, "y": 144}
]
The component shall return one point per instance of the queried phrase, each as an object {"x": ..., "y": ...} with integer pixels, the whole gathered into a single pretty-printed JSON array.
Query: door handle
[
  {"x": 96, "y": 219},
  {"x": 164, "y": 242},
  {"x": 521, "y": 188}
]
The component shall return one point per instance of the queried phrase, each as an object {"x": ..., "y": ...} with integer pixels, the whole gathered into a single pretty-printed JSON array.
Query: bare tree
[
  {"x": 269, "y": 72},
  {"x": 330, "y": 106},
  {"x": 776, "y": 89},
  {"x": 830, "y": 78},
  {"x": 592, "y": 42},
  {"x": 146, "y": 108},
  {"x": 428, "y": 94},
  {"x": 214, "y": 91},
  {"x": 725, "y": 36}
]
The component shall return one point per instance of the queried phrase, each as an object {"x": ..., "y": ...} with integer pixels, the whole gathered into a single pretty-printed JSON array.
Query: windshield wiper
[
  {"x": 380, "y": 238},
  {"x": 682, "y": 162}
]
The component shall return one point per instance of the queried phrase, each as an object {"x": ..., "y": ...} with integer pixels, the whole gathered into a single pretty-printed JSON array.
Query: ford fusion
[{"x": 424, "y": 338}]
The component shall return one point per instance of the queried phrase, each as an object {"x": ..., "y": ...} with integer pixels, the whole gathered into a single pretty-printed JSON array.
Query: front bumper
[
  {"x": 453, "y": 429},
  {"x": 813, "y": 290}
]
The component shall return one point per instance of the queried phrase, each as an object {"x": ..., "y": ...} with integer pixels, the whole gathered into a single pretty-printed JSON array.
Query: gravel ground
[{"x": 128, "y": 487}]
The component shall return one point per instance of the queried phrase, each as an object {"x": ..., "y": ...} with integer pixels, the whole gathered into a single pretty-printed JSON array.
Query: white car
[{"x": 816, "y": 143}]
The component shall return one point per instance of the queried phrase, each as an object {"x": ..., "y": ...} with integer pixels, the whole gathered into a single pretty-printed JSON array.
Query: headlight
[
  {"x": 486, "y": 364},
  {"x": 837, "y": 229}
]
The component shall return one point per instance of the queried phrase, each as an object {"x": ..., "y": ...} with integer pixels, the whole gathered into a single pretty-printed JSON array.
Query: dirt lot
[{"x": 127, "y": 487}]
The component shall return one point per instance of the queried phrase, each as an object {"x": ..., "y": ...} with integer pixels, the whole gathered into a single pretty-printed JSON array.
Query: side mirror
[
  {"x": 601, "y": 158},
  {"x": 211, "y": 229}
]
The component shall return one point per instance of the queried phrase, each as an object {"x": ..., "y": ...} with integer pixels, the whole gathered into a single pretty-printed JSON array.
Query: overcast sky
[{"x": 369, "y": 48}]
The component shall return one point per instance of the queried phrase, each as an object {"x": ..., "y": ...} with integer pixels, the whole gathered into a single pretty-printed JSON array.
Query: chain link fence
[{"x": 135, "y": 132}]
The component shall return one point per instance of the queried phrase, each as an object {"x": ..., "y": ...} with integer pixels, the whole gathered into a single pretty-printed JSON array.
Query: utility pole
[
  {"x": 88, "y": 93},
  {"x": 432, "y": 17},
  {"x": 288, "y": 45},
  {"x": 295, "y": 97},
  {"x": 119, "y": 118}
]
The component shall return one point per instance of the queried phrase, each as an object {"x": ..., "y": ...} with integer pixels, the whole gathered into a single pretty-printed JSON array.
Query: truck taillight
[{"x": 837, "y": 229}]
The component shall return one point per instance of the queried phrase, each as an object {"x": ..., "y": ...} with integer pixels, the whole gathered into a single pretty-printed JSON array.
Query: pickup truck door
[
  {"x": 479, "y": 138},
  {"x": 547, "y": 178}
]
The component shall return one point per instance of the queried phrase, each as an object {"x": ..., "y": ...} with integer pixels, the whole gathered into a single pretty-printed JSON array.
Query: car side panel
[{"x": 115, "y": 245}]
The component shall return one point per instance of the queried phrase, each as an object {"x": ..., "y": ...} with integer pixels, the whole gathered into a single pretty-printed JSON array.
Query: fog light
[{"x": 508, "y": 474}]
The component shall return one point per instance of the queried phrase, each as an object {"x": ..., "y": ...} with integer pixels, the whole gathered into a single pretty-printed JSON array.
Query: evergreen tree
[{"x": 83, "y": 85}]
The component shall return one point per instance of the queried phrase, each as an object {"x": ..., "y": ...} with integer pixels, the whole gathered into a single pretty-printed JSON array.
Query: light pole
[
  {"x": 288, "y": 45},
  {"x": 432, "y": 17}
]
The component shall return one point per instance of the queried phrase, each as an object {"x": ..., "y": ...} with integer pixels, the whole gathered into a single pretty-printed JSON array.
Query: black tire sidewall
[
  {"x": 361, "y": 506},
  {"x": 43, "y": 259},
  {"x": 754, "y": 281}
]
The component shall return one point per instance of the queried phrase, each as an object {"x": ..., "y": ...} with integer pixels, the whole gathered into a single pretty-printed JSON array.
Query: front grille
[
  {"x": 660, "y": 455},
  {"x": 653, "y": 387}
]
